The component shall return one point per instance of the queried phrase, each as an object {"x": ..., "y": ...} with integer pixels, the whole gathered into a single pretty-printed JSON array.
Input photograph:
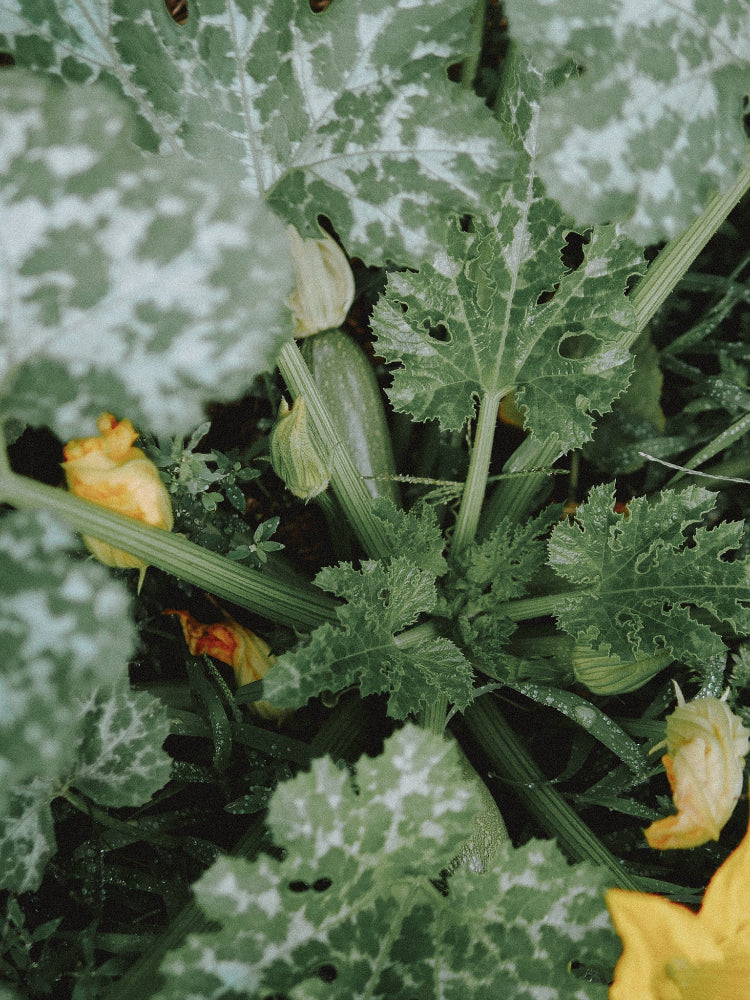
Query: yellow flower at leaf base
[
  {"x": 107, "y": 470},
  {"x": 706, "y": 749},
  {"x": 671, "y": 953},
  {"x": 246, "y": 653}
]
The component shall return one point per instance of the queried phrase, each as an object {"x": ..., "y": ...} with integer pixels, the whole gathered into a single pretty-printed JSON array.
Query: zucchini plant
[{"x": 465, "y": 629}]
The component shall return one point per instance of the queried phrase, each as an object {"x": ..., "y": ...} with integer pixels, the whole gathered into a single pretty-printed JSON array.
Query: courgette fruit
[{"x": 346, "y": 382}]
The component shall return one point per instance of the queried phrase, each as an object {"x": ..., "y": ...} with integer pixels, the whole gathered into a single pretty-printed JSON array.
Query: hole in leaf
[
  {"x": 177, "y": 10},
  {"x": 441, "y": 884},
  {"x": 318, "y": 6},
  {"x": 572, "y": 253},
  {"x": 327, "y": 973},
  {"x": 321, "y": 884},
  {"x": 577, "y": 346},
  {"x": 548, "y": 294},
  {"x": 466, "y": 224},
  {"x": 439, "y": 333},
  {"x": 298, "y": 886}
]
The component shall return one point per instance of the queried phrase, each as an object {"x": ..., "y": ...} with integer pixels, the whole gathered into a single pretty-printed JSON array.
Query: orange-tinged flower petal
[
  {"x": 246, "y": 653},
  {"x": 229, "y": 642},
  {"x": 706, "y": 745},
  {"x": 107, "y": 470}
]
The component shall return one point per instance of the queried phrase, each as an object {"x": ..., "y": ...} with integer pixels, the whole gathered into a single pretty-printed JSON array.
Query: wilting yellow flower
[
  {"x": 706, "y": 749},
  {"x": 324, "y": 284},
  {"x": 229, "y": 642},
  {"x": 109, "y": 471},
  {"x": 671, "y": 953}
]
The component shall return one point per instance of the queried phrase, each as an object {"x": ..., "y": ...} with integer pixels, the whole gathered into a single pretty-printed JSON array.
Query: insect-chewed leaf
[
  {"x": 498, "y": 311},
  {"x": 352, "y": 910}
]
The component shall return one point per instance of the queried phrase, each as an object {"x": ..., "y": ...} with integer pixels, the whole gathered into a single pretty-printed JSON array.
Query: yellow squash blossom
[
  {"x": 706, "y": 749},
  {"x": 247, "y": 654},
  {"x": 671, "y": 953},
  {"x": 107, "y": 470}
]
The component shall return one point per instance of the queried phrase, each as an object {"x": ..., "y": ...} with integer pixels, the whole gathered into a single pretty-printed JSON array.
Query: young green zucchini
[{"x": 350, "y": 390}]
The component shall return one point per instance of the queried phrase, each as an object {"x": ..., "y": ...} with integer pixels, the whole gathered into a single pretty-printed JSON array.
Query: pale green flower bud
[
  {"x": 324, "y": 284},
  {"x": 294, "y": 457},
  {"x": 605, "y": 673}
]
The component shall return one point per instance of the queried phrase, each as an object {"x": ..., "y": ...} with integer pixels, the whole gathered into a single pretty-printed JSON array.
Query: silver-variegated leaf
[
  {"x": 347, "y": 113},
  {"x": 136, "y": 284}
]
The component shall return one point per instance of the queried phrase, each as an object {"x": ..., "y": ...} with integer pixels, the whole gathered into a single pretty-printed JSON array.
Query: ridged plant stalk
[
  {"x": 297, "y": 605},
  {"x": 511, "y": 761},
  {"x": 346, "y": 482}
]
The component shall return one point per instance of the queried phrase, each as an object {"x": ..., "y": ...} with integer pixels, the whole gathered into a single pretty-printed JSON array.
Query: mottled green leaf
[
  {"x": 370, "y": 647},
  {"x": 498, "y": 311},
  {"x": 120, "y": 761},
  {"x": 27, "y": 835},
  {"x": 641, "y": 574},
  {"x": 348, "y": 113},
  {"x": 352, "y": 910},
  {"x": 132, "y": 283},
  {"x": 117, "y": 760},
  {"x": 65, "y": 629},
  {"x": 653, "y": 125}
]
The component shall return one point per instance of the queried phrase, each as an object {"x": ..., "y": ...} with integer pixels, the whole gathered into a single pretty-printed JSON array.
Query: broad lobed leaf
[
  {"x": 133, "y": 283},
  {"x": 117, "y": 760},
  {"x": 352, "y": 911},
  {"x": 370, "y": 648},
  {"x": 653, "y": 125},
  {"x": 497, "y": 310},
  {"x": 348, "y": 113},
  {"x": 27, "y": 835},
  {"x": 640, "y": 577}
]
